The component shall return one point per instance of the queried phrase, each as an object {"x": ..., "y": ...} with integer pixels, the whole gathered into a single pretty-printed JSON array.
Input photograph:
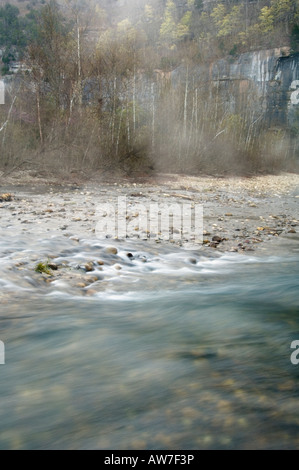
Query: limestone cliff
[{"x": 267, "y": 81}]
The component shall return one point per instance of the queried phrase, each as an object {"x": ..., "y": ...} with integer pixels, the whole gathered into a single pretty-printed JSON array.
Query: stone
[
  {"x": 90, "y": 292},
  {"x": 7, "y": 197},
  {"x": 81, "y": 285},
  {"x": 53, "y": 266},
  {"x": 89, "y": 267},
  {"x": 214, "y": 244},
  {"x": 217, "y": 239},
  {"x": 111, "y": 250},
  {"x": 92, "y": 280}
]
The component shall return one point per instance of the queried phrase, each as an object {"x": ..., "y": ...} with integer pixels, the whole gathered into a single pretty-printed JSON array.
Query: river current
[{"x": 173, "y": 350}]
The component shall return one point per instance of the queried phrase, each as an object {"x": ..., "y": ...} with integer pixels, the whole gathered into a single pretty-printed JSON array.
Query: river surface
[{"x": 175, "y": 350}]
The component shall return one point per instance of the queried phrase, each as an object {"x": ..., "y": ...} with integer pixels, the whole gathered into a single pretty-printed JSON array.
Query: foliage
[
  {"x": 109, "y": 102},
  {"x": 43, "y": 268},
  {"x": 168, "y": 28}
]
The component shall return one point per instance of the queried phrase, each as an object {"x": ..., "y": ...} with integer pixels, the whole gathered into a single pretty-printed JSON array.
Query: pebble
[
  {"x": 214, "y": 244},
  {"x": 6, "y": 197},
  {"x": 90, "y": 292},
  {"x": 89, "y": 267},
  {"x": 53, "y": 266},
  {"x": 111, "y": 250},
  {"x": 93, "y": 279},
  {"x": 81, "y": 285}
]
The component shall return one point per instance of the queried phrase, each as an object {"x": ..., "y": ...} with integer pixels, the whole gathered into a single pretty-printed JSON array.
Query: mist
[{"x": 146, "y": 86}]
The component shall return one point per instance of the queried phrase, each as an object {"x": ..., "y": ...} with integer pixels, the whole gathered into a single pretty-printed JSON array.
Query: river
[{"x": 175, "y": 350}]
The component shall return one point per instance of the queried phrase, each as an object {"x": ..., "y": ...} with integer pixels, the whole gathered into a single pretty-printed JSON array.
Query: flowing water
[{"x": 175, "y": 350}]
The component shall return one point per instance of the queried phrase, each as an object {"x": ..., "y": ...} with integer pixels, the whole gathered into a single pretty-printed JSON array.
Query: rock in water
[
  {"x": 53, "y": 266},
  {"x": 111, "y": 250},
  {"x": 89, "y": 267}
]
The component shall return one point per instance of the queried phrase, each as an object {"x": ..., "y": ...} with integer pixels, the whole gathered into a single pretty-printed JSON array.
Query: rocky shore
[{"x": 241, "y": 215}]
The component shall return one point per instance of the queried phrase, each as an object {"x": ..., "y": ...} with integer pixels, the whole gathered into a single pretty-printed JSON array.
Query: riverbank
[
  {"x": 240, "y": 214},
  {"x": 60, "y": 223}
]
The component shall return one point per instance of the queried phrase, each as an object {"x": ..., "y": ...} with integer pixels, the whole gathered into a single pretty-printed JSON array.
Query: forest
[{"x": 95, "y": 89}]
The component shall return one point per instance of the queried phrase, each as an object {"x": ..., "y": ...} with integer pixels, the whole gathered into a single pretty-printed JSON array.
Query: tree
[
  {"x": 183, "y": 28},
  {"x": 10, "y": 31},
  {"x": 168, "y": 30},
  {"x": 266, "y": 20},
  {"x": 283, "y": 12},
  {"x": 227, "y": 23}
]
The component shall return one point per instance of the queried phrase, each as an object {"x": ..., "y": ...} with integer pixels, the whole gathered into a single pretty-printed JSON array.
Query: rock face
[
  {"x": 284, "y": 102},
  {"x": 267, "y": 81}
]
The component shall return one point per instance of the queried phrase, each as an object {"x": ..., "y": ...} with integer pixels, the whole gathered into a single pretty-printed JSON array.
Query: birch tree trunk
[
  {"x": 153, "y": 116},
  {"x": 186, "y": 103},
  {"x": 39, "y": 116},
  {"x": 134, "y": 101}
]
